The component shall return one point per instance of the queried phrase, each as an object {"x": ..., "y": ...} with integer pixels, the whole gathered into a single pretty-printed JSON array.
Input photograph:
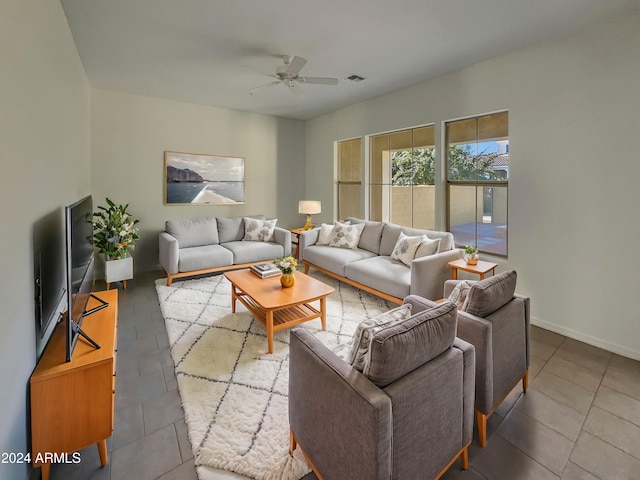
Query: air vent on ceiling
[{"x": 355, "y": 78}]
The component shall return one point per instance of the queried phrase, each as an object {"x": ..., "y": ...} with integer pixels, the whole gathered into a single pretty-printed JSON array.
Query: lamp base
[{"x": 308, "y": 225}]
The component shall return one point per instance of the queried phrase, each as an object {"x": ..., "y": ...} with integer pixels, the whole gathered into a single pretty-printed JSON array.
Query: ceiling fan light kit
[{"x": 287, "y": 74}]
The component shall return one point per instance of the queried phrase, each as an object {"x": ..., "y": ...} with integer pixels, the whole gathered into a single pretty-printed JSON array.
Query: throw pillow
[
  {"x": 326, "y": 233},
  {"x": 366, "y": 330},
  {"x": 459, "y": 294},
  {"x": 346, "y": 236},
  {"x": 259, "y": 230},
  {"x": 406, "y": 247},
  {"x": 428, "y": 247}
]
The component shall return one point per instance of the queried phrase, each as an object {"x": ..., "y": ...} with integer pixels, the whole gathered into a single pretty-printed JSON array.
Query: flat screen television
[{"x": 80, "y": 266}]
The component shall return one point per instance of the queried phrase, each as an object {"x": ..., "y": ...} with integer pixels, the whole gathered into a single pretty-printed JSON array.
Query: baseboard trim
[{"x": 582, "y": 337}]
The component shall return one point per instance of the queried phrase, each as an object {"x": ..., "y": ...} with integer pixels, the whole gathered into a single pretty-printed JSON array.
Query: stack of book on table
[{"x": 265, "y": 270}]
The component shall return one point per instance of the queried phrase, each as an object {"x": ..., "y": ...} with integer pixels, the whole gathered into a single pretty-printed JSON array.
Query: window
[
  {"x": 401, "y": 177},
  {"x": 349, "y": 178},
  {"x": 477, "y": 153}
]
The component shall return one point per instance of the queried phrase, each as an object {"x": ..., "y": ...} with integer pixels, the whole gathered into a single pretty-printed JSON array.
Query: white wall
[
  {"x": 130, "y": 133},
  {"x": 574, "y": 111},
  {"x": 44, "y": 133}
]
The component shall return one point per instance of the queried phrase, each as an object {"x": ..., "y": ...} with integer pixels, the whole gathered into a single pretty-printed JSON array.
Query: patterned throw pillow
[
  {"x": 406, "y": 247},
  {"x": 259, "y": 230},
  {"x": 346, "y": 236},
  {"x": 428, "y": 247},
  {"x": 459, "y": 294},
  {"x": 327, "y": 232},
  {"x": 367, "y": 329}
]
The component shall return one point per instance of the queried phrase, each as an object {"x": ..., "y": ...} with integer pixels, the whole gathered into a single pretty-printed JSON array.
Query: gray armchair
[
  {"x": 495, "y": 320},
  {"x": 410, "y": 417}
]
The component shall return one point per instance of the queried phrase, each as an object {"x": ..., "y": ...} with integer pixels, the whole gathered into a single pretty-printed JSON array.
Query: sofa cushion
[
  {"x": 391, "y": 232},
  {"x": 346, "y": 235},
  {"x": 325, "y": 234},
  {"x": 334, "y": 259},
  {"x": 193, "y": 232},
  {"x": 366, "y": 330},
  {"x": 204, "y": 257},
  {"x": 428, "y": 247},
  {"x": 490, "y": 294},
  {"x": 405, "y": 346},
  {"x": 249, "y": 252},
  {"x": 371, "y": 235},
  {"x": 256, "y": 230},
  {"x": 406, "y": 247},
  {"x": 382, "y": 273},
  {"x": 232, "y": 229}
]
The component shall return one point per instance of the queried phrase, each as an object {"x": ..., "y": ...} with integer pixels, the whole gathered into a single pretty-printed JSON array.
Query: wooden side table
[
  {"x": 481, "y": 268},
  {"x": 295, "y": 239}
]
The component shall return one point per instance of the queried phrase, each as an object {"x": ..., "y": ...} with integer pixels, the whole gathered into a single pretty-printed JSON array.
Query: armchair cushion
[
  {"x": 367, "y": 329},
  {"x": 401, "y": 348},
  {"x": 490, "y": 294},
  {"x": 459, "y": 294}
]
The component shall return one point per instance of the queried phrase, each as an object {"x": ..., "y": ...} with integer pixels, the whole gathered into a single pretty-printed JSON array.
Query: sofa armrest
[
  {"x": 478, "y": 332},
  {"x": 306, "y": 239},
  {"x": 428, "y": 274},
  {"x": 169, "y": 252},
  {"x": 469, "y": 386},
  {"x": 332, "y": 408},
  {"x": 282, "y": 236}
]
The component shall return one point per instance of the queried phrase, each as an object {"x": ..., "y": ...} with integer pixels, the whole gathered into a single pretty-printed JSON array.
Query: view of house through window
[
  {"x": 349, "y": 178},
  {"x": 477, "y": 151},
  {"x": 401, "y": 177}
]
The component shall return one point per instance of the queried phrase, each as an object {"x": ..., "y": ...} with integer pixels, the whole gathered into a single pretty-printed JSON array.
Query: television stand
[{"x": 72, "y": 402}]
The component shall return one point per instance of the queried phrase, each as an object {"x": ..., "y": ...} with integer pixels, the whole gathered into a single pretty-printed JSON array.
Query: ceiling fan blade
[
  {"x": 295, "y": 65},
  {"x": 262, "y": 87},
  {"x": 319, "y": 80}
]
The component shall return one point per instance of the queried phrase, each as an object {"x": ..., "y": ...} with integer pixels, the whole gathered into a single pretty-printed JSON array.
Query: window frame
[{"x": 477, "y": 184}]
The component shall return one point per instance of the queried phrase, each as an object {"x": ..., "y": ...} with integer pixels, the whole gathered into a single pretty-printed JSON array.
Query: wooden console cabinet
[{"x": 72, "y": 402}]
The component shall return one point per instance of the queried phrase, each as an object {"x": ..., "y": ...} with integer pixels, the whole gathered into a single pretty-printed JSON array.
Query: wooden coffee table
[{"x": 277, "y": 307}]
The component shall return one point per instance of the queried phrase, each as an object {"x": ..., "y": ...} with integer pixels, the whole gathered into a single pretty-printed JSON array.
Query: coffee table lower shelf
[{"x": 286, "y": 317}]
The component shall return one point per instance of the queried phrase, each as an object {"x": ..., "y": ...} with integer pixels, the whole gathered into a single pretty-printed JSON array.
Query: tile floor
[{"x": 580, "y": 418}]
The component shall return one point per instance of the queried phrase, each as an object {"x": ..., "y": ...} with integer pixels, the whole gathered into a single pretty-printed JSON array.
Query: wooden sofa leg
[
  {"x": 482, "y": 428},
  {"x": 525, "y": 381},
  {"x": 464, "y": 458}
]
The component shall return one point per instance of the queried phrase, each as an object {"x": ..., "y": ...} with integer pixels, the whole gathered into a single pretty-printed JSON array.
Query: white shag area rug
[{"x": 233, "y": 392}]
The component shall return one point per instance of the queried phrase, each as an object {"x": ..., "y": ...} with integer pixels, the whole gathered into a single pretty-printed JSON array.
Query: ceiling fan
[{"x": 287, "y": 75}]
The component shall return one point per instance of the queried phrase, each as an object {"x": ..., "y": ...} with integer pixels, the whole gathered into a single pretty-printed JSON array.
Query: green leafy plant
[
  {"x": 114, "y": 231},
  {"x": 286, "y": 264},
  {"x": 470, "y": 249}
]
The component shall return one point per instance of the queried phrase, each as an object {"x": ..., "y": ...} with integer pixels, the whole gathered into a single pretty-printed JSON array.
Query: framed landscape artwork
[{"x": 198, "y": 179}]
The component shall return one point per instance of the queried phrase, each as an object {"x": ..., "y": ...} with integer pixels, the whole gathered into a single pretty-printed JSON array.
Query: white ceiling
[{"x": 210, "y": 51}]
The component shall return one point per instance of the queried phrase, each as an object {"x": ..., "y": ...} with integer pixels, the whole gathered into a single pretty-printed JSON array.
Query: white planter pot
[{"x": 118, "y": 270}]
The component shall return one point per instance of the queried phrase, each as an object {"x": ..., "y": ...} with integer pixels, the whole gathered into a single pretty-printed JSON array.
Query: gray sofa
[
  {"x": 371, "y": 268},
  {"x": 410, "y": 417},
  {"x": 205, "y": 245}
]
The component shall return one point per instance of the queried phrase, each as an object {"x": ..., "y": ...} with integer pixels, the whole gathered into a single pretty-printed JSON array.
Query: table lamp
[{"x": 309, "y": 207}]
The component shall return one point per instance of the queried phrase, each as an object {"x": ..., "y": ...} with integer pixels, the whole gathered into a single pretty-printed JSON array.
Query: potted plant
[
  {"x": 114, "y": 235},
  {"x": 471, "y": 255},
  {"x": 287, "y": 266}
]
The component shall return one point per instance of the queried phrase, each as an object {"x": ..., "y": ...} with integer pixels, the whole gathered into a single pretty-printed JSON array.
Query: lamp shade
[{"x": 309, "y": 207}]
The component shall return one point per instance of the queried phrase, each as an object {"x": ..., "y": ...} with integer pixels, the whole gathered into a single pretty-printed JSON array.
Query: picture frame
[{"x": 203, "y": 179}]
